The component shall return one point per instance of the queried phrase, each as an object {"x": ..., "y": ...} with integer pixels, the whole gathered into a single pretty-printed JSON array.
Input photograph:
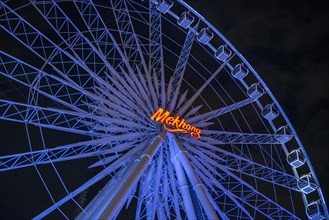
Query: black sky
[{"x": 287, "y": 44}]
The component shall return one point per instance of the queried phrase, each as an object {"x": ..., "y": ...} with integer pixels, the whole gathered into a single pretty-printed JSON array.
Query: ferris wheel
[{"x": 150, "y": 106}]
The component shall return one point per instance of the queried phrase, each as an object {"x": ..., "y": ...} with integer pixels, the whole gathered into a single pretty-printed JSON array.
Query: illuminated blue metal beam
[
  {"x": 78, "y": 122},
  {"x": 116, "y": 58},
  {"x": 87, "y": 55},
  {"x": 60, "y": 60},
  {"x": 102, "y": 37},
  {"x": 238, "y": 163},
  {"x": 59, "y": 89},
  {"x": 190, "y": 101},
  {"x": 126, "y": 85},
  {"x": 248, "y": 195},
  {"x": 67, "y": 92},
  {"x": 131, "y": 44},
  {"x": 119, "y": 143},
  {"x": 155, "y": 37},
  {"x": 180, "y": 66},
  {"x": 133, "y": 53},
  {"x": 199, "y": 119},
  {"x": 226, "y": 137},
  {"x": 58, "y": 154},
  {"x": 80, "y": 189},
  {"x": 110, "y": 48},
  {"x": 210, "y": 180},
  {"x": 48, "y": 118}
]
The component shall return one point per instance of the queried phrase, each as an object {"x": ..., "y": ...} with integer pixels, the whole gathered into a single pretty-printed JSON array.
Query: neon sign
[{"x": 176, "y": 124}]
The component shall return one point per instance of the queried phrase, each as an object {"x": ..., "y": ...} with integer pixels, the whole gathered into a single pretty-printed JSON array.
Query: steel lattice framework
[{"x": 101, "y": 70}]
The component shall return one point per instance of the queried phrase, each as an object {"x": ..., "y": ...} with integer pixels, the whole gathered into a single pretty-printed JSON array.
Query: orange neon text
[{"x": 175, "y": 124}]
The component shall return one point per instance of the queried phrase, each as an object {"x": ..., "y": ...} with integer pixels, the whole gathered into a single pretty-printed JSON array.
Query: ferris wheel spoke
[
  {"x": 202, "y": 154},
  {"x": 55, "y": 88},
  {"x": 88, "y": 55},
  {"x": 218, "y": 112},
  {"x": 226, "y": 137},
  {"x": 163, "y": 89},
  {"x": 116, "y": 117},
  {"x": 78, "y": 151},
  {"x": 132, "y": 49},
  {"x": 169, "y": 89},
  {"x": 101, "y": 35},
  {"x": 52, "y": 155},
  {"x": 130, "y": 85},
  {"x": 59, "y": 119},
  {"x": 260, "y": 139},
  {"x": 222, "y": 215},
  {"x": 192, "y": 111},
  {"x": 142, "y": 89},
  {"x": 85, "y": 186},
  {"x": 189, "y": 102},
  {"x": 243, "y": 165},
  {"x": 156, "y": 86},
  {"x": 266, "y": 174},
  {"x": 227, "y": 198},
  {"x": 63, "y": 91},
  {"x": 247, "y": 194},
  {"x": 47, "y": 118},
  {"x": 149, "y": 89},
  {"x": 115, "y": 103},
  {"x": 155, "y": 41},
  {"x": 184, "y": 55},
  {"x": 122, "y": 90},
  {"x": 76, "y": 45},
  {"x": 204, "y": 175},
  {"x": 181, "y": 65},
  {"x": 182, "y": 99},
  {"x": 91, "y": 18},
  {"x": 60, "y": 60},
  {"x": 127, "y": 84}
]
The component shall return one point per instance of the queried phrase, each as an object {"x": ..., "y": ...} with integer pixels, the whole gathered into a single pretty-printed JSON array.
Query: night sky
[{"x": 287, "y": 44}]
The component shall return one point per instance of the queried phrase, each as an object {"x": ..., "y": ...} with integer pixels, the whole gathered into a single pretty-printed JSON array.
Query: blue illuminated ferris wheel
[{"x": 164, "y": 114}]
